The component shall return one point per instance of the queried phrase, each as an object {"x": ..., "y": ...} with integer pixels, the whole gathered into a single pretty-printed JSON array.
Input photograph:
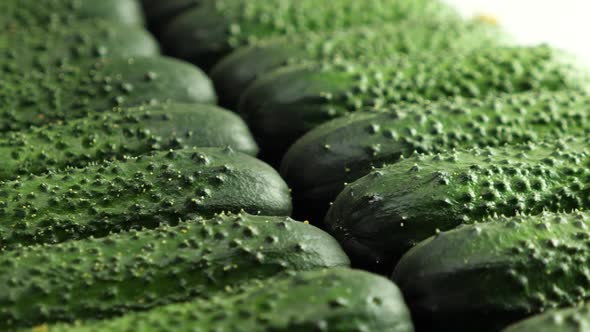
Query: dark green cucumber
[
  {"x": 214, "y": 28},
  {"x": 22, "y": 14},
  {"x": 39, "y": 97},
  {"x": 158, "y": 12},
  {"x": 96, "y": 278},
  {"x": 562, "y": 320},
  {"x": 382, "y": 215},
  {"x": 482, "y": 277},
  {"x": 234, "y": 73},
  {"x": 283, "y": 105},
  {"x": 337, "y": 300},
  {"x": 119, "y": 134},
  {"x": 319, "y": 164},
  {"x": 38, "y": 49},
  {"x": 147, "y": 191}
]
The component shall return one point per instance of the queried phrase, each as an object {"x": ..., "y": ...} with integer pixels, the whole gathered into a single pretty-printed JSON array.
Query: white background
[{"x": 562, "y": 23}]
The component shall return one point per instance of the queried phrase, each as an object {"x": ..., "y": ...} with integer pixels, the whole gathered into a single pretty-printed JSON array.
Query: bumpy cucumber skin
[
  {"x": 56, "y": 13},
  {"x": 84, "y": 41},
  {"x": 488, "y": 275},
  {"x": 137, "y": 192},
  {"x": 283, "y": 105},
  {"x": 339, "y": 300},
  {"x": 213, "y": 29},
  {"x": 380, "y": 216},
  {"x": 341, "y": 151},
  {"x": 562, "y": 320},
  {"x": 121, "y": 133},
  {"x": 234, "y": 73},
  {"x": 96, "y": 278},
  {"x": 73, "y": 91}
]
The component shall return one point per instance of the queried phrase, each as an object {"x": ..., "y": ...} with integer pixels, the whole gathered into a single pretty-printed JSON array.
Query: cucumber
[
  {"x": 382, "y": 215},
  {"x": 158, "y": 13},
  {"x": 39, "y": 97},
  {"x": 214, "y": 28},
  {"x": 234, "y": 73},
  {"x": 98, "y": 278},
  {"x": 561, "y": 320},
  {"x": 146, "y": 191},
  {"x": 485, "y": 276},
  {"x": 281, "y": 106},
  {"x": 22, "y": 14},
  {"x": 37, "y": 49},
  {"x": 121, "y": 133},
  {"x": 319, "y": 164},
  {"x": 337, "y": 300}
]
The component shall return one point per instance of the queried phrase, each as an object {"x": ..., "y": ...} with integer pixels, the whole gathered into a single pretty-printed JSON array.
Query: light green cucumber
[
  {"x": 339, "y": 300},
  {"x": 234, "y": 73},
  {"x": 138, "y": 270},
  {"x": 23, "y": 14},
  {"x": 119, "y": 134},
  {"x": 141, "y": 192},
  {"x": 341, "y": 151},
  {"x": 22, "y": 51},
  {"x": 214, "y": 28},
  {"x": 65, "y": 92},
  {"x": 485, "y": 276},
  {"x": 382, "y": 215},
  {"x": 563, "y": 320},
  {"x": 284, "y": 104}
]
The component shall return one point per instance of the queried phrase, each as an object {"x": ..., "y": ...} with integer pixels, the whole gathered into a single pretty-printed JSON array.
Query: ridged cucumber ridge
[
  {"x": 22, "y": 14},
  {"x": 234, "y": 73},
  {"x": 562, "y": 320},
  {"x": 121, "y": 133},
  {"x": 382, "y": 215},
  {"x": 319, "y": 164},
  {"x": 38, "y": 49},
  {"x": 283, "y": 105},
  {"x": 339, "y": 300},
  {"x": 96, "y": 278},
  {"x": 495, "y": 273},
  {"x": 56, "y": 93},
  {"x": 215, "y": 27},
  {"x": 146, "y": 191}
]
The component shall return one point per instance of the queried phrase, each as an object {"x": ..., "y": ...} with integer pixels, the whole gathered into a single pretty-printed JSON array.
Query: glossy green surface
[
  {"x": 55, "y": 93},
  {"x": 234, "y": 73},
  {"x": 96, "y": 278},
  {"x": 216, "y": 27},
  {"x": 281, "y": 106},
  {"x": 147, "y": 191},
  {"x": 22, "y": 14},
  {"x": 338, "y": 300},
  {"x": 495, "y": 273},
  {"x": 121, "y": 133},
  {"x": 382, "y": 215},
  {"x": 319, "y": 164}
]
